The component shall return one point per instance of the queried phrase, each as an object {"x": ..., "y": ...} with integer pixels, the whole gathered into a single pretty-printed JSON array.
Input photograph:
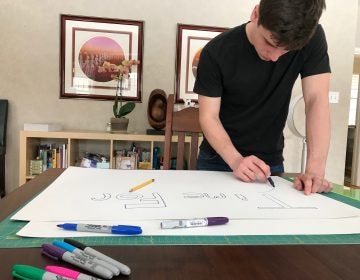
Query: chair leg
[{"x": 2, "y": 175}]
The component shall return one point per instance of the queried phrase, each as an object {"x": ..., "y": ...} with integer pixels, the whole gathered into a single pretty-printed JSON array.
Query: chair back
[
  {"x": 3, "y": 123},
  {"x": 182, "y": 123}
]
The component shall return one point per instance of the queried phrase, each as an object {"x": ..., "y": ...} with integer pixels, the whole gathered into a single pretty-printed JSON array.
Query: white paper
[
  {"x": 102, "y": 195},
  {"x": 234, "y": 227}
]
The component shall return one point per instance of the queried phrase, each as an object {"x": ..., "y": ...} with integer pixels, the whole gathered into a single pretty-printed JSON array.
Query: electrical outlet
[{"x": 334, "y": 96}]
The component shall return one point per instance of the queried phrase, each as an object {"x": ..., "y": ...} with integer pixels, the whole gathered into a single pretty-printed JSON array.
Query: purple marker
[
  {"x": 200, "y": 222},
  {"x": 57, "y": 253}
]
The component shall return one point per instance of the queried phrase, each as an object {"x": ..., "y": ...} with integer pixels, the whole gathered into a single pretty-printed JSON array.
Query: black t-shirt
[{"x": 255, "y": 94}]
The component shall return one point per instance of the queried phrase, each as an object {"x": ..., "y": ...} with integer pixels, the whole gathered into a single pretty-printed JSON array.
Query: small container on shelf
[{"x": 36, "y": 166}]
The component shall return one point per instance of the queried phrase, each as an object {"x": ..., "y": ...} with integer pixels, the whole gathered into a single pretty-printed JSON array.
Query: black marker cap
[{"x": 75, "y": 243}]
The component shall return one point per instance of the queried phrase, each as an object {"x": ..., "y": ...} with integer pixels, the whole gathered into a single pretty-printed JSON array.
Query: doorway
[{"x": 352, "y": 176}]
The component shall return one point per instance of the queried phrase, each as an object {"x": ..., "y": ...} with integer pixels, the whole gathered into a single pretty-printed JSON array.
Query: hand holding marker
[{"x": 271, "y": 182}]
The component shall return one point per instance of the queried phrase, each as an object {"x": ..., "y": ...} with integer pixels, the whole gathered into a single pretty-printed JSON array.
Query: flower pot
[{"x": 119, "y": 125}]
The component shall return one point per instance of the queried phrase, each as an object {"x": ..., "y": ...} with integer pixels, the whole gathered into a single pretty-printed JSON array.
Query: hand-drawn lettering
[
  {"x": 241, "y": 196},
  {"x": 133, "y": 201},
  {"x": 147, "y": 201},
  {"x": 204, "y": 195},
  {"x": 102, "y": 197},
  {"x": 215, "y": 196},
  {"x": 128, "y": 196},
  {"x": 279, "y": 204},
  {"x": 193, "y": 195}
]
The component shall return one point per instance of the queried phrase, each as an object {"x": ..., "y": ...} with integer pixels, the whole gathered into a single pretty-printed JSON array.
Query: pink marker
[{"x": 66, "y": 272}]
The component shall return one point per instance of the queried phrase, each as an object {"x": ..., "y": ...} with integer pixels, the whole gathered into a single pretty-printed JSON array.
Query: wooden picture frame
[
  {"x": 189, "y": 43},
  {"x": 85, "y": 43}
]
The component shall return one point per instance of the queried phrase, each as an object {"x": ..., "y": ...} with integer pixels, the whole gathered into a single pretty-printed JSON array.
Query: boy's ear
[{"x": 255, "y": 14}]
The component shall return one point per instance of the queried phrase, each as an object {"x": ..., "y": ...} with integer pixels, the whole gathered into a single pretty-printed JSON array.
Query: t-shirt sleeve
[
  {"x": 316, "y": 58},
  {"x": 208, "y": 78}
]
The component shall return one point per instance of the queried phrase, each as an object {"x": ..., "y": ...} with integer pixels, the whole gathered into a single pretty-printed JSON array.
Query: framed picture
[
  {"x": 129, "y": 162},
  {"x": 88, "y": 42},
  {"x": 190, "y": 41}
]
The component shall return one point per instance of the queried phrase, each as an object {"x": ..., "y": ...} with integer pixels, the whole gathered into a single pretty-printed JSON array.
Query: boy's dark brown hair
[{"x": 291, "y": 22}]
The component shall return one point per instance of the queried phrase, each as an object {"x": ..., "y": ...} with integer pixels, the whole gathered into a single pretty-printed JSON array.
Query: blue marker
[
  {"x": 82, "y": 255},
  {"x": 118, "y": 229}
]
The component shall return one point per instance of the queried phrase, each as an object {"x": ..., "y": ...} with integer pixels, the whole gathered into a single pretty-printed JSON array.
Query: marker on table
[
  {"x": 271, "y": 182},
  {"x": 82, "y": 255},
  {"x": 201, "y": 222},
  {"x": 30, "y": 272},
  {"x": 124, "y": 269},
  {"x": 72, "y": 274},
  {"x": 141, "y": 185},
  {"x": 118, "y": 229},
  {"x": 57, "y": 253}
]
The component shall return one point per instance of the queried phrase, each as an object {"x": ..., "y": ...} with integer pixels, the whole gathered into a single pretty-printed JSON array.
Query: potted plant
[{"x": 120, "y": 73}]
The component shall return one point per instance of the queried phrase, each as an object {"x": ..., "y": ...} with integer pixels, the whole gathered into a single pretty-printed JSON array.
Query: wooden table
[{"x": 197, "y": 262}]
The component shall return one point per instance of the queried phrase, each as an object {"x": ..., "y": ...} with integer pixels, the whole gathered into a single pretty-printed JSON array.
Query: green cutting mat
[{"x": 9, "y": 239}]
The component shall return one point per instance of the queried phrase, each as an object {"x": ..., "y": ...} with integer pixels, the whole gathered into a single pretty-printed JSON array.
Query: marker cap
[
  {"x": 75, "y": 243},
  {"x": 64, "y": 245},
  {"x": 27, "y": 272},
  {"x": 120, "y": 229},
  {"x": 52, "y": 251},
  {"x": 213, "y": 221},
  {"x": 68, "y": 226}
]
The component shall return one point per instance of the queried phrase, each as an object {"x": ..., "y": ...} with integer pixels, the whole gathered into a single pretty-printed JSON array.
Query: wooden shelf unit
[{"x": 78, "y": 142}]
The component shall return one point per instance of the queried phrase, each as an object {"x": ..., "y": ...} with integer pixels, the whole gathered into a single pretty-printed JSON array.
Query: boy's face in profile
[
  {"x": 265, "y": 46},
  {"x": 263, "y": 41}
]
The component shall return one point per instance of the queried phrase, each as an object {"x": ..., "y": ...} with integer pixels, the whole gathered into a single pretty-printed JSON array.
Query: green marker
[{"x": 27, "y": 272}]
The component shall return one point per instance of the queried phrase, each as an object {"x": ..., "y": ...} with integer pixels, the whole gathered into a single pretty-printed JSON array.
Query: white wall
[
  {"x": 29, "y": 73},
  {"x": 355, "y": 169},
  {"x": 357, "y": 39},
  {"x": 340, "y": 25}
]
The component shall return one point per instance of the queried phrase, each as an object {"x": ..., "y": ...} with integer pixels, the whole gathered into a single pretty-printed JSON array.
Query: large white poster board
[{"x": 102, "y": 195}]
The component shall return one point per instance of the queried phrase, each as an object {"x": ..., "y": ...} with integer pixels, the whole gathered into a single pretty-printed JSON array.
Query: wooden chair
[
  {"x": 184, "y": 122},
  {"x": 3, "y": 124}
]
